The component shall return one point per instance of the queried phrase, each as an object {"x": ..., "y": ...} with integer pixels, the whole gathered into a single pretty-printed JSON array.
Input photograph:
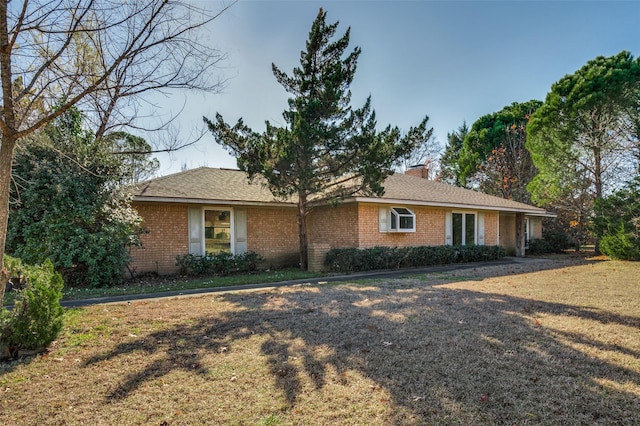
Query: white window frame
[
  {"x": 477, "y": 224},
  {"x": 390, "y": 219},
  {"x": 200, "y": 229}
]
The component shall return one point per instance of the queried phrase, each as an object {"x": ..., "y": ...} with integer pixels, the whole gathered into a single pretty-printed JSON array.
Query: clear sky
[{"x": 453, "y": 61}]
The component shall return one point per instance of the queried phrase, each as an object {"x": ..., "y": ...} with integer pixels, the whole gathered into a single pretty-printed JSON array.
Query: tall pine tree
[{"x": 327, "y": 151}]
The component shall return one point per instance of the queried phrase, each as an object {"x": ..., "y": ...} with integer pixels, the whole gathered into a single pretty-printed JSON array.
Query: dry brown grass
[{"x": 553, "y": 342}]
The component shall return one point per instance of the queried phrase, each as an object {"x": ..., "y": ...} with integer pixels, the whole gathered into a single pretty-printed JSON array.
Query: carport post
[{"x": 520, "y": 224}]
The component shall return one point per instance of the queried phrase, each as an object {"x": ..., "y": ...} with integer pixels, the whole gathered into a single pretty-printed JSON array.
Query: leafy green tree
[
  {"x": 69, "y": 205},
  {"x": 327, "y": 151},
  {"x": 616, "y": 222},
  {"x": 493, "y": 155},
  {"x": 582, "y": 139},
  {"x": 449, "y": 169}
]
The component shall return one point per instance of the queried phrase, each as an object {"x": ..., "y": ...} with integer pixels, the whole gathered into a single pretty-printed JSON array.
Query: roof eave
[
  {"x": 181, "y": 200},
  {"x": 532, "y": 211}
]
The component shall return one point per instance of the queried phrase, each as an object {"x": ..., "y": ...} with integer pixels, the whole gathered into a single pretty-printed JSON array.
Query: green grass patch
[{"x": 176, "y": 283}]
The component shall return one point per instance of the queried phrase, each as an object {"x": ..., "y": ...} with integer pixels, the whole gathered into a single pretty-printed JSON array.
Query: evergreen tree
[
  {"x": 493, "y": 156},
  {"x": 327, "y": 151},
  {"x": 449, "y": 169},
  {"x": 583, "y": 139},
  {"x": 617, "y": 222}
]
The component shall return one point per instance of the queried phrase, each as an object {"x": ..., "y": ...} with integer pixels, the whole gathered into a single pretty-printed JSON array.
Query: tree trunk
[
  {"x": 302, "y": 230},
  {"x": 8, "y": 140},
  {"x": 6, "y": 161},
  {"x": 597, "y": 178}
]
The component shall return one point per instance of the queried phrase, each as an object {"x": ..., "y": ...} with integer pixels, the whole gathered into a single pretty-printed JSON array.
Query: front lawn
[
  {"x": 159, "y": 284},
  {"x": 535, "y": 343}
]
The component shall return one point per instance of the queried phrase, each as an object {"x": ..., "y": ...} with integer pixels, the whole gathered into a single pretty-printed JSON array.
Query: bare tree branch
[{"x": 100, "y": 56}]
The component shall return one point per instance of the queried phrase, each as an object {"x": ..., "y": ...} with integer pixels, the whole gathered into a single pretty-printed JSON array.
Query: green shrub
[
  {"x": 616, "y": 222},
  {"x": 36, "y": 318},
  {"x": 539, "y": 246},
  {"x": 353, "y": 259},
  {"x": 557, "y": 241},
  {"x": 218, "y": 264},
  {"x": 620, "y": 245}
]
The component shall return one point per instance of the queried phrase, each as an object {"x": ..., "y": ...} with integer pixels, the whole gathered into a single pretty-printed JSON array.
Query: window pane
[
  {"x": 402, "y": 210},
  {"x": 457, "y": 229},
  {"x": 470, "y": 229},
  {"x": 394, "y": 219},
  {"x": 217, "y": 231},
  {"x": 406, "y": 222}
]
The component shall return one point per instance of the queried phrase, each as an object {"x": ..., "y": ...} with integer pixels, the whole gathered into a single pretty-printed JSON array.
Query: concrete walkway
[{"x": 395, "y": 273}]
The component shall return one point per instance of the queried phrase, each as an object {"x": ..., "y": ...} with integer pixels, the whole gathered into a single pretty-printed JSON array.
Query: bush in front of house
[
  {"x": 539, "y": 246},
  {"x": 36, "y": 318},
  {"x": 557, "y": 242},
  {"x": 354, "y": 259},
  {"x": 218, "y": 264}
]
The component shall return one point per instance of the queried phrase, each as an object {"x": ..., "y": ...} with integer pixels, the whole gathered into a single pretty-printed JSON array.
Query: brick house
[{"x": 207, "y": 210}]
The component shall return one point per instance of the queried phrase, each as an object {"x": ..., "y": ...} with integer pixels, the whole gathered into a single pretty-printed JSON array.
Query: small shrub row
[
  {"x": 354, "y": 259},
  {"x": 218, "y": 264},
  {"x": 36, "y": 318}
]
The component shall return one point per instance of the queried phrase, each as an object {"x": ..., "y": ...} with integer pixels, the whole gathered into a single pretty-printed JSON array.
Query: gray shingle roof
[
  {"x": 209, "y": 185},
  {"x": 205, "y": 184},
  {"x": 401, "y": 187}
]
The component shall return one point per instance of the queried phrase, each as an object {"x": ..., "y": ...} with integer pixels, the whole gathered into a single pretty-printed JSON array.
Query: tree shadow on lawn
[{"x": 443, "y": 355}]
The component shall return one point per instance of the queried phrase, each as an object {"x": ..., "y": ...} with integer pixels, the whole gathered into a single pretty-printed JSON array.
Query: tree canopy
[
  {"x": 493, "y": 154},
  {"x": 583, "y": 139},
  {"x": 327, "y": 150},
  {"x": 449, "y": 168},
  {"x": 584, "y": 132}
]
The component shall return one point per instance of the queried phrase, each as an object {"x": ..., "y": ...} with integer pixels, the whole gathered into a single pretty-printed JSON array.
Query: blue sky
[{"x": 453, "y": 61}]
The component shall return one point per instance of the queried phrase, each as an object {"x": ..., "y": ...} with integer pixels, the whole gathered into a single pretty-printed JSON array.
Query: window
[
  {"x": 401, "y": 220},
  {"x": 463, "y": 228},
  {"x": 217, "y": 231}
]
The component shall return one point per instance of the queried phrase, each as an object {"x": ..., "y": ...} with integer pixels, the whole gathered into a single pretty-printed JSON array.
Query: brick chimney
[{"x": 419, "y": 170}]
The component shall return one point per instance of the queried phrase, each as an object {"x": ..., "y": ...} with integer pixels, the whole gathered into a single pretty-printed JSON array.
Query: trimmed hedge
[
  {"x": 217, "y": 264},
  {"x": 354, "y": 259}
]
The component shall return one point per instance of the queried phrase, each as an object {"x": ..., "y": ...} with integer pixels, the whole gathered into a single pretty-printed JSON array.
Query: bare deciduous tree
[{"x": 99, "y": 55}]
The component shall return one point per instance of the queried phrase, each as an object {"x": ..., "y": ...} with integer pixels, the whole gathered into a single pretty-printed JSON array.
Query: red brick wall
[
  {"x": 336, "y": 226},
  {"x": 508, "y": 233},
  {"x": 168, "y": 236},
  {"x": 272, "y": 232},
  {"x": 429, "y": 228},
  {"x": 491, "y": 228}
]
